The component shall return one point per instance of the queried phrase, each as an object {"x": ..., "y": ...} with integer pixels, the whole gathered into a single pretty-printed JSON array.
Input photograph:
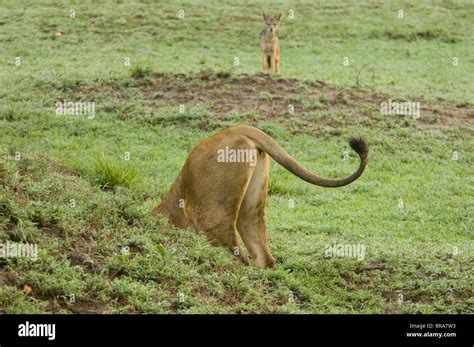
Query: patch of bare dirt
[
  {"x": 267, "y": 97},
  {"x": 6, "y": 277},
  {"x": 92, "y": 307},
  {"x": 56, "y": 303}
]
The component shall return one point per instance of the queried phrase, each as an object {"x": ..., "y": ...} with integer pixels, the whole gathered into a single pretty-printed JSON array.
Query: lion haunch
[{"x": 223, "y": 197}]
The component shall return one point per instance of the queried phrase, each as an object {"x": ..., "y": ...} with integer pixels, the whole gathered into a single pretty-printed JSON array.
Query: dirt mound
[{"x": 266, "y": 98}]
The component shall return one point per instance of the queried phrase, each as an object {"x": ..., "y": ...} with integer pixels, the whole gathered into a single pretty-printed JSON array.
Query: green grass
[
  {"x": 385, "y": 53},
  {"x": 109, "y": 174},
  {"x": 66, "y": 185}
]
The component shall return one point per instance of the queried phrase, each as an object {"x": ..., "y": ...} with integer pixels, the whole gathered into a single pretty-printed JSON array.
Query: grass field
[{"x": 81, "y": 188}]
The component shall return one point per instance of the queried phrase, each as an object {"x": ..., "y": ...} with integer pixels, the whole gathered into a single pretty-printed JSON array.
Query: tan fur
[
  {"x": 224, "y": 199},
  {"x": 270, "y": 44}
]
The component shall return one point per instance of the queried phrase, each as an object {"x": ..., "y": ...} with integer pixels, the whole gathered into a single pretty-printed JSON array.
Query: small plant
[
  {"x": 109, "y": 174},
  {"x": 159, "y": 95},
  {"x": 322, "y": 99},
  {"x": 68, "y": 84},
  {"x": 141, "y": 72},
  {"x": 318, "y": 105},
  {"x": 342, "y": 97},
  {"x": 265, "y": 96},
  {"x": 223, "y": 74}
]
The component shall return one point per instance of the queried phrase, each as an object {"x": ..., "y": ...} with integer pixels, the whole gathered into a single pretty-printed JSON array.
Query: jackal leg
[
  {"x": 273, "y": 63},
  {"x": 263, "y": 62},
  {"x": 277, "y": 60}
]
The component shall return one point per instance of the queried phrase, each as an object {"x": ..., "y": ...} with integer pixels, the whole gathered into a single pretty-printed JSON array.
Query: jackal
[{"x": 269, "y": 43}]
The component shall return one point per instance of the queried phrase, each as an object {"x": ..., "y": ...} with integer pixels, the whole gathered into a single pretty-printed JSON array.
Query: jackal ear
[
  {"x": 278, "y": 16},
  {"x": 265, "y": 16}
]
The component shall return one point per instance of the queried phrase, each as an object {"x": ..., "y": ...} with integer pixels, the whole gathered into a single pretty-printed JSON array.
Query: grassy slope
[{"x": 410, "y": 250}]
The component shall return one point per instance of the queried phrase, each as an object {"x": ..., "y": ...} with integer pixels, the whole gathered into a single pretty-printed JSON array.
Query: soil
[{"x": 268, "y": 97}]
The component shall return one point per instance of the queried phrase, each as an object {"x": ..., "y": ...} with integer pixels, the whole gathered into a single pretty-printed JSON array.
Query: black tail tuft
[{"x": 360, "y": 146}]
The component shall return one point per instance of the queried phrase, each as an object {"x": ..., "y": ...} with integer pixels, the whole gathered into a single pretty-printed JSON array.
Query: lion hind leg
[{"x": 251, "y": 220}]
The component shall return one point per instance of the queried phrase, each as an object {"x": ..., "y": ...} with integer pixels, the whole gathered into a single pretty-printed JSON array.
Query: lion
[{"x": 222, "y": 189}]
